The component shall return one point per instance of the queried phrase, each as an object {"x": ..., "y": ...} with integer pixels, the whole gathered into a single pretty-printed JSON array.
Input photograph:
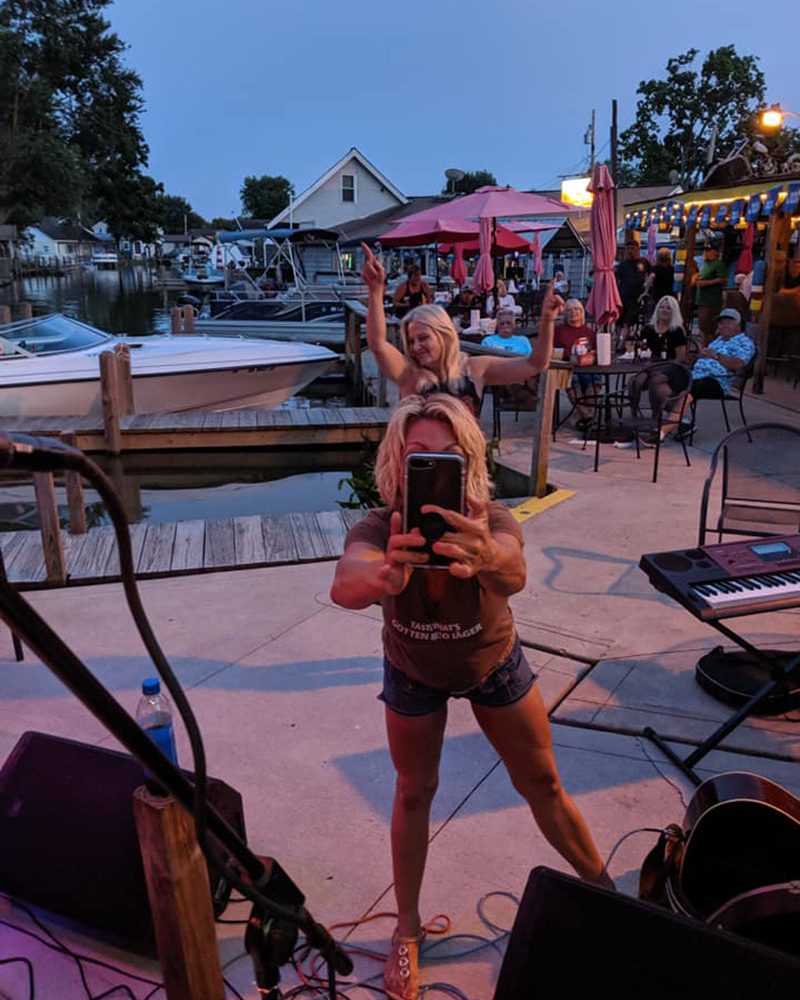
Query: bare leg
[
  {"x": 521, "y": 735},
  {"x": 415, "y": 743}
]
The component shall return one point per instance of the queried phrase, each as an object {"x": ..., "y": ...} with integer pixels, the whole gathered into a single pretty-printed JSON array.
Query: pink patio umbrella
[
  {"x": 494, "y": 203},
  {"x": 744, "y": 265},
  {"x": 505, "y": 241},
  {"x": 422, "y": 232},
  {"x": 483, "y": 278},
  {"x": 458, "y": 272},
  {"x": 604, "y": 302}
]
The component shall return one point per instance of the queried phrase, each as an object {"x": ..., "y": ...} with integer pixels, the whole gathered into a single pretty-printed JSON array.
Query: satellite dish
[{"x": 454, "y": 174}]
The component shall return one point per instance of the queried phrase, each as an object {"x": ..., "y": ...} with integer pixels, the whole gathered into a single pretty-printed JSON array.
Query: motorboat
[
  {"x": 50, "y": 366},
  {"x": 103, "y": 259}
]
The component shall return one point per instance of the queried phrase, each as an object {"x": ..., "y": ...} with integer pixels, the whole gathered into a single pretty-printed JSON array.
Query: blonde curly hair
[{"x": 389, "y": 466}]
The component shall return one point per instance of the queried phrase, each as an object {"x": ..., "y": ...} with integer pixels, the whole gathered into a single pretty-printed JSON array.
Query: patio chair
[
  {"x": 759, "y": 491},
  {"x": 734, "y": 394},
  {"x": 516, "y": 399}
]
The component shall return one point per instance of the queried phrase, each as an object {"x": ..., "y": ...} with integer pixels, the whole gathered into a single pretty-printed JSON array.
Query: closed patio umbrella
[
  {"x": 604, "y": 302},
  {"x": 744, "y": 265},
  {"x": 483, "y": 278},
  {"x": 458, "y": 272}
]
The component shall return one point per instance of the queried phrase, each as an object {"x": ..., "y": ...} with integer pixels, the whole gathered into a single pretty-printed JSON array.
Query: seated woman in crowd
[
  {"x": 430, "y": 359},
  {"x": 411, "y": 293},
  {"x": 482, "y": 661},
  {"x": 505, "y": 300},
  {"x": 664, "y": 334},
  {"x": 584, "y": 387}
]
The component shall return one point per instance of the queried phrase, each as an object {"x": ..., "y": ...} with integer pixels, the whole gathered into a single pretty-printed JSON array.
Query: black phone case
[{"x": 437, "y": 478}]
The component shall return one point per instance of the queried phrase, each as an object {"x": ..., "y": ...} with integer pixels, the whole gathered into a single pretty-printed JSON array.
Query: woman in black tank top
[{"x": 430, "y": 359}]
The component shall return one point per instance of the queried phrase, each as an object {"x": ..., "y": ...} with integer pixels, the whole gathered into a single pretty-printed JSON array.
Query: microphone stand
[{"x": 278, "y": 909}]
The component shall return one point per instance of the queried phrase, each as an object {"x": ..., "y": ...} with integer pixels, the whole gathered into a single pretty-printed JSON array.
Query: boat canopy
[
  {"x": 48, "y": 335},
  {"x": 237, "y": 235}
]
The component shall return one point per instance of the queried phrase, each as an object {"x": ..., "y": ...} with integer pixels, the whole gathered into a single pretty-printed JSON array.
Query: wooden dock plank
[
  {"x": 27, "y": 566},
  {"x": 11, "y": 542},
  {"x": 94, "y": 555},
  {"x": 307, "y": 536},
  {"x": 248, "y": 541},
  {"x": 219, "y": 548},
  {"x": 332, "y": 531},
  {"x": 187, "y": 552},
  {"x": 156, "y": 555},
  {"x": 279, "y": 544}
]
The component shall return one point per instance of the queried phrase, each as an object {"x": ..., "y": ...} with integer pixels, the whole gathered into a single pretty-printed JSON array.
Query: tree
[
  {"x": 471, "y": 181},
  {"x": 263, "y": 197},
  {"x": 70, "y": 138},
  {"x": 678, "y": 119},
  {"x": 175, "y": 214},
  {"x": 226, "y": 225}
]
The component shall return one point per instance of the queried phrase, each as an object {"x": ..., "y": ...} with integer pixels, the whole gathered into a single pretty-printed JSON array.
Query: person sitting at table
[
  {"x": 430, "y": 360},
  {"x": 463, "y": 303},
  {"x": 584, "y": 386},
  {"x": 664, "y": 334},
  {"x": 717, "y": 365},
  {"x": 505, "y": 300},
  {"x": 505, "y": 338},
  {"x": 411, "y": 293}
]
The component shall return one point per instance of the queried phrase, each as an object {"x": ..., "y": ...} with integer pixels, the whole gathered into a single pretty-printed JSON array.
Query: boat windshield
[{"x": 48, "y": 335}]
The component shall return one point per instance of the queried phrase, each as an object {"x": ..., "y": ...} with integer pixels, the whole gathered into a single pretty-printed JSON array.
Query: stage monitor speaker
[
  {"x": 571, "y": 939},
  {"x": 68, "y": 839}
]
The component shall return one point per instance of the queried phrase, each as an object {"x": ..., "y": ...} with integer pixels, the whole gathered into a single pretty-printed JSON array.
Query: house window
[{"x": 348, "y": 187}]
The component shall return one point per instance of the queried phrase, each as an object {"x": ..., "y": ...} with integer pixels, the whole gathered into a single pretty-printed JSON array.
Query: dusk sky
[{"x": 273, "y": 87}]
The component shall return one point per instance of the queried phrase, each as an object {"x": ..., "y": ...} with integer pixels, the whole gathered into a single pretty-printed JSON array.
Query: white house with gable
[{"x": 350, "y": 189}]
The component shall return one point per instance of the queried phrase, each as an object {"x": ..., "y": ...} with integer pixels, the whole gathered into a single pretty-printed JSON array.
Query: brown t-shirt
[{"x": 452, "y": 643}]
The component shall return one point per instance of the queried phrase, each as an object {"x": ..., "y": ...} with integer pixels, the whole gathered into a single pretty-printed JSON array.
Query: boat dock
[
  {"x": 177, "y": 548},
  {"x": 250, "y": 428}
]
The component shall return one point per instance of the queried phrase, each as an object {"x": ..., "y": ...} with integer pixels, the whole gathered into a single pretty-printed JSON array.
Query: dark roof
[
  {"x": 60, "y": 229},
  {"x": 369, "y": 227}
]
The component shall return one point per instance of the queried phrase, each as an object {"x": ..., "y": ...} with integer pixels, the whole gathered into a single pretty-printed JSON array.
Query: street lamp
[{"x": 773, "y": 116}]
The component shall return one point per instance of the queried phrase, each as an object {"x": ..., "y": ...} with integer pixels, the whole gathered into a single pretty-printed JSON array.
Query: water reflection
[{"x": 122, "y": 301}]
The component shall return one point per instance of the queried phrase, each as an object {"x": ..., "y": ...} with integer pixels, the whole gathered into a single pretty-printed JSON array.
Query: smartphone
[{"x": 438, "y": 478}]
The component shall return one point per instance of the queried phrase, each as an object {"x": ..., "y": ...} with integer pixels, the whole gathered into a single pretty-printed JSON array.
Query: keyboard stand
[{"x": 779, "y": 671}]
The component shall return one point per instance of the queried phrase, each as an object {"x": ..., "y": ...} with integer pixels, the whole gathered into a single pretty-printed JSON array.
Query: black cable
[
  {"x": 29, "y": 966},
  {"x": 300, "y": 917}
]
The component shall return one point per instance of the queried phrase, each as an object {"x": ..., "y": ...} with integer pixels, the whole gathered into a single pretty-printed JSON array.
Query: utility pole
[
  {"x": 591, "y": 150},
  {"x": 614, "y": 160}
]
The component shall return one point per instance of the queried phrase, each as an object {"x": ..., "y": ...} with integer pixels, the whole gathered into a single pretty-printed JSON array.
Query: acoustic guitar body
[{"x": 740, "y": 863}]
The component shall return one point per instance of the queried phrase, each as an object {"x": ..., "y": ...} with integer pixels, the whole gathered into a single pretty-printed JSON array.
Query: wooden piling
[
  {"x": 45, "y": 489},
  {"x": 188, "y": 319},
  {"x": 110, "y": 401},
  {"x": 180, "y": 898},
  {"x": 22, "y": 310},
  {"x": 550, "y": 381},
  {"x": 5, "y": 314},
  {"x": 74, "y": 487},
  {"x": 124, "y": 378},
  {"x": 175, "y": 320}
]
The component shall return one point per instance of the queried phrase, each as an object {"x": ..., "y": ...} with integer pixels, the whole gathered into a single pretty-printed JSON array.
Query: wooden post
[
  {"x": 22, "y": 310},
  {"x": 74, "y": 486},
  {"x": 188, "y": 319},
  {"x": 779, "y": 231},
  {"x": 176, "y": 320},
  {"x": 550, "y": 381},
  {"x": 110, "y": 400},
  {"x": 124, "y": 378},
  {"x": 45, "y": 489},
  {"x": 128, "y": 489},
  {"x": 180, "y": 898},
  {"x": 687, "y": 291},
  {"x": 5, "y": 314}
]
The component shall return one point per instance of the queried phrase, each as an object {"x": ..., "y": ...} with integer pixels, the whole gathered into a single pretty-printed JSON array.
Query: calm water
[
  {"x": 122, "y": 301},
  {"x": 170, "y": 486}
]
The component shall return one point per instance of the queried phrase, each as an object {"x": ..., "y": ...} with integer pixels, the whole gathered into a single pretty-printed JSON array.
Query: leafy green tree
[
  {"x": 263, "y": 197},
  {"x": 175, "y": 214},
  {"x": 676, "y": 117},
  {"x": 69, "y": 112},
  {"x": 471, "y": 181},
  {"x": 227, "y": 225}
]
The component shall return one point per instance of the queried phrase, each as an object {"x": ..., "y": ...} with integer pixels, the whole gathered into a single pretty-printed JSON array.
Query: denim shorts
[{"x": 506, "y": 684}]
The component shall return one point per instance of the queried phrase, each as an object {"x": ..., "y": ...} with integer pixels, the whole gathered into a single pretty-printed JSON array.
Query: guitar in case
[{"x": 738, "y": 866}]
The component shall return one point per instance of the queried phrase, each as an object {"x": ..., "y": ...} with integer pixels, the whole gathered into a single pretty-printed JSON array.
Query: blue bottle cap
[{"x": 152, "y": 685}]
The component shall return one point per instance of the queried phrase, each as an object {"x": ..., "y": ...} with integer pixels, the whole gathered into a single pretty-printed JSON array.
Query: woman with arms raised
[
  {"x": 430, "y": 359},
  {"x": 449, "y": 632}
]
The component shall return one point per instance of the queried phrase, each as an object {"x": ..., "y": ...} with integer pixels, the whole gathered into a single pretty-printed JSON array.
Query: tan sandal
[{"x": 401, "y": 975}]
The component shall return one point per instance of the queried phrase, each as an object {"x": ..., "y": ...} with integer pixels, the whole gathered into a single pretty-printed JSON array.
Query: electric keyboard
[{"x": 731, "y": 579}]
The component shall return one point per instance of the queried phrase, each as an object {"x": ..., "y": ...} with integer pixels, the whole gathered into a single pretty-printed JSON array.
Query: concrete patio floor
[{"x": 284, "y": 686}]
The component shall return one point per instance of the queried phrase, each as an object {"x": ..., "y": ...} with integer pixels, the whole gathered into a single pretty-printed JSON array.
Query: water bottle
[{"x": 154, "y": 715}]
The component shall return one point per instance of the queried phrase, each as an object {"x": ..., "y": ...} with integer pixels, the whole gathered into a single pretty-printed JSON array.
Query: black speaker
[
  {"x": 578, "y": 940},
  {"x": 68, "y": 839}
]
